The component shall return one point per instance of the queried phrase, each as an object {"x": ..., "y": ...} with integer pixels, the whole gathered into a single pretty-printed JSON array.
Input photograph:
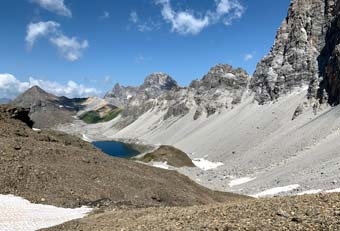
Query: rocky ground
[
  {"x": 58, "y": 169},
  {"x": 312, "y": 212}
]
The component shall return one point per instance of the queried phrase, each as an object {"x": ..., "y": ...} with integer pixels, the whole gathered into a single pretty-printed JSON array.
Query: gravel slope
[{"x": 316, "y": 212}]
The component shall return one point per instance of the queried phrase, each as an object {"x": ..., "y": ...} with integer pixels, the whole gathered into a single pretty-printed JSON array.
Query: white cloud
[
  {"x": 186, "y": 22},
  {"x": 248, "y": 57},
  {"x": 70, "y": 48},
  {"x": 228, "y": 10},
  {"x": 40, "y": 29},
  {"x": 10, "y": 87},
  {"x": 105, "y": 15},
  {"x": 70, "y": 89},
  {"x": 56, "y": 6},
  {"x": 133, "y": 17}
]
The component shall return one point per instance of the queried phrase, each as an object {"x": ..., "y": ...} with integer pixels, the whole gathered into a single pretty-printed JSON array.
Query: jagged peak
[
  {"x": 160, "y": 80},
  {"x": 223, "y": 69}
]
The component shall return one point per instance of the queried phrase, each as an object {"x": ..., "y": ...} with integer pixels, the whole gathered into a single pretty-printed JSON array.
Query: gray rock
[
  {"x": 221, "y": 86},
  {"x": 293, "y": 60}
]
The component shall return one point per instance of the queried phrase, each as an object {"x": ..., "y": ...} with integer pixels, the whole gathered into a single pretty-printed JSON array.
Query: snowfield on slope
[{"x": 18, "y": 214}]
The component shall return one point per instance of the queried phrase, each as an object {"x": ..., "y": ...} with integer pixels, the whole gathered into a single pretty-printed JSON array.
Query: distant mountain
[
  {"x": 4, "y": 100},
  {"x": 222, "y": 87},
  {"x": 48, "y": 110},
  {"x": 154, "y": 85}
]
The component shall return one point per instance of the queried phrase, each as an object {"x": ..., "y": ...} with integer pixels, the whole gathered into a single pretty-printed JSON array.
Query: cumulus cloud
[
  {"x": 228, "y": 10},
  {"x": 70, "y": 48},
  {"x": 10, "y": 87},
  {"x": 40, "y": 29},
  {"x": 70, "y": 89},
  {"x": 55, "y": 6},
  {"x": 187, "y": 22}
]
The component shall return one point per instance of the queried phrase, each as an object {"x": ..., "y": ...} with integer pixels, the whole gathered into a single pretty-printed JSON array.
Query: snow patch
[
  {"x": 163, "y": 165},
  {"x": 206, "y": 164},
  {"x": 312, "y": 191},
  {"x": 36, "y": 129},
  {"x": 85, "y": 138},
  {"x": 240, "y": 181},
  {"x": 337, "y": 190},
  {"x": 277, "y": 190},
  {"x": 20, "y": 214}
]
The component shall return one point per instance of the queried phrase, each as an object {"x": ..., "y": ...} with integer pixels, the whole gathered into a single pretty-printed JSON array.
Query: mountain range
[
  {"x": 270, "y": 127},
  {"x": 273, "y": 133}
]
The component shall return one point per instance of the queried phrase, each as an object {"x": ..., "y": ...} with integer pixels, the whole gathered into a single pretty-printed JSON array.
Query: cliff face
[
  {"x": 293, "y": 60},
  {"x": 329, "y": 60}
]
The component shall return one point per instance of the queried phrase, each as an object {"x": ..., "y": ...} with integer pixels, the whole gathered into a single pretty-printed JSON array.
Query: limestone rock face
[
  {"x": 293, "y": 59},
  {"x": 219, "y": 89}
]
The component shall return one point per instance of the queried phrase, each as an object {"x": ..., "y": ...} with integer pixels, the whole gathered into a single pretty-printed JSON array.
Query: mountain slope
[
  {"x": 47, "y": 110},
  {"x": 279, "y": 131},
  {"x": 55, "y": 168}
]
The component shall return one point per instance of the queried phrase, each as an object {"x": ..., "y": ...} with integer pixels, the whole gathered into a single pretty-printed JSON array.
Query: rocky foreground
[{"x": 311, "y": 212}]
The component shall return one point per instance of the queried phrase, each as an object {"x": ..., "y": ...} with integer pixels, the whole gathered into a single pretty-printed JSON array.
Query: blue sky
[{"x": 95, "y": 43}]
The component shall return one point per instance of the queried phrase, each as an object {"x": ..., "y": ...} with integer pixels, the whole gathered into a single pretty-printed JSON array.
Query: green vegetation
[{"x": 92, "y": 117}]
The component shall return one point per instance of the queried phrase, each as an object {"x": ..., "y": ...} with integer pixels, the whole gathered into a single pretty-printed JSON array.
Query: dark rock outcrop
[{"x": 329, "y": 60}]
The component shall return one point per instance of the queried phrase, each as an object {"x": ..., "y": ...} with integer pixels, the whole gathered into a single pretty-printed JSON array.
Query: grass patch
[{"x": 92, "y": 117}]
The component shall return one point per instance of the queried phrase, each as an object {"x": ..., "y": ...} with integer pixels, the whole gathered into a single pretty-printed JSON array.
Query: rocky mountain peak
[
  {"x": 159, "y": 80},
  {"x": 222, "y": 76},
  {"x": 32, "y": 96}
]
